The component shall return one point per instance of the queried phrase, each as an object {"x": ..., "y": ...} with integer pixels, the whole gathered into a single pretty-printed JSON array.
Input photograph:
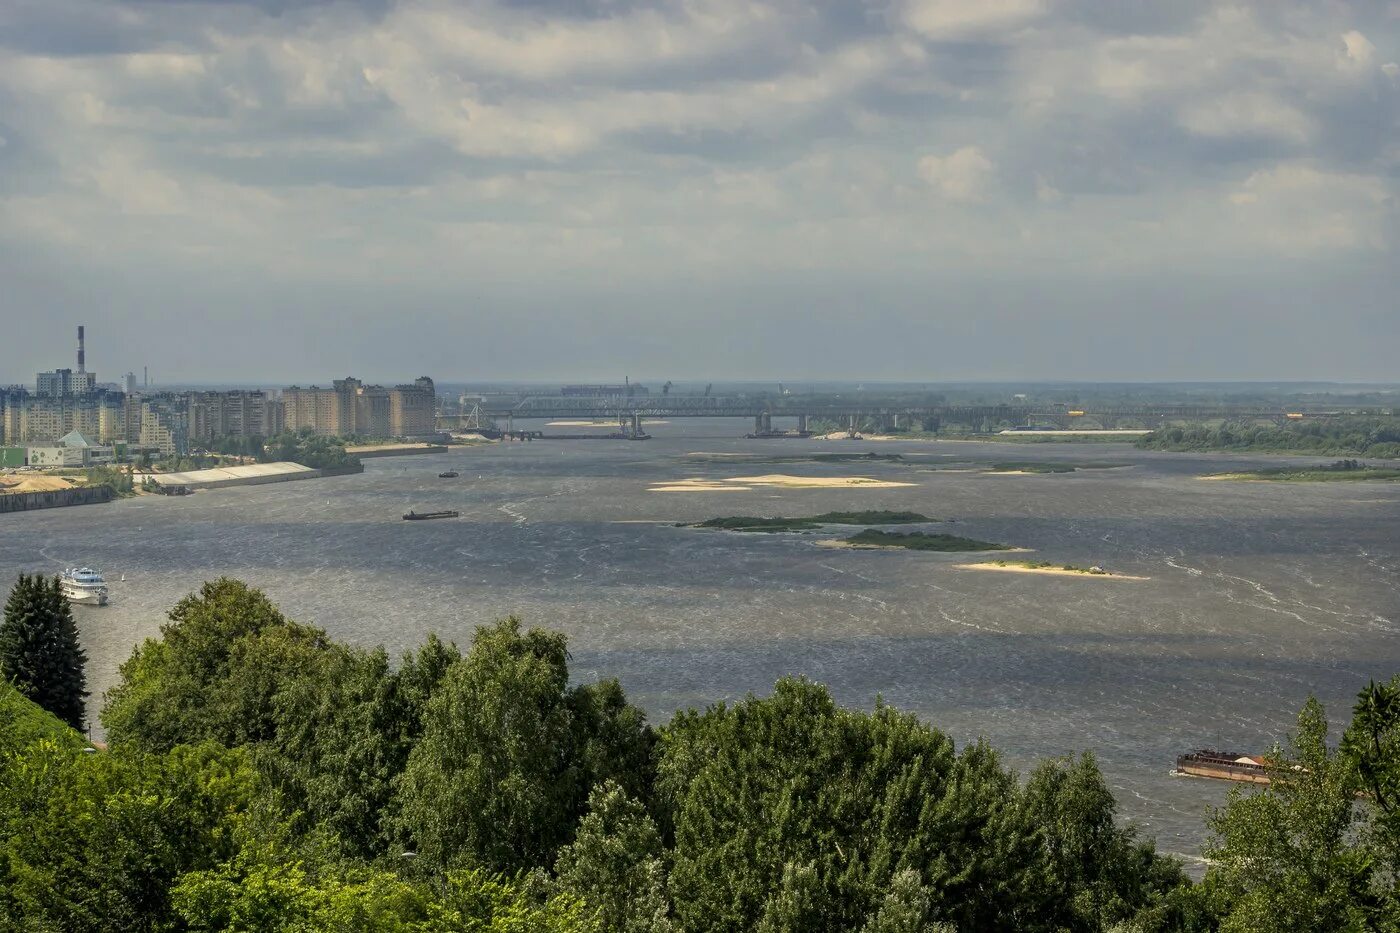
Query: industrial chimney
[{"x": 82, "y": 359}]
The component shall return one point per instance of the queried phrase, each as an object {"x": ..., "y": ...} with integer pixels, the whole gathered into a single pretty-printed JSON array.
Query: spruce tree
[{"x": 39, "y": 650}]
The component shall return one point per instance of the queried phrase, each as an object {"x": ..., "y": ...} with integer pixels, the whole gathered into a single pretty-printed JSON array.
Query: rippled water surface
[{"x": 1258, "y": 593}]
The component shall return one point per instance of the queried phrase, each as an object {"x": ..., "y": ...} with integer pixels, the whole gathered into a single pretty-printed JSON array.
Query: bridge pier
[
  {"x": 801, "y": 424},
  {"x": 636, "y": 424}
]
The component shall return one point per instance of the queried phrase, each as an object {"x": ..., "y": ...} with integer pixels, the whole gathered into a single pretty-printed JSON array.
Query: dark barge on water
[
  {"x": 412, "y": 516},
  {"x": 1224, "y": 766}
]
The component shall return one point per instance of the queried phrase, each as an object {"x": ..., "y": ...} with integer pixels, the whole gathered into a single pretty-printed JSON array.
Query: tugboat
[
  {"x": 448, "y": 474},
  {"x": 84, "y": 586},
  {"x": 412, "y": 516}
]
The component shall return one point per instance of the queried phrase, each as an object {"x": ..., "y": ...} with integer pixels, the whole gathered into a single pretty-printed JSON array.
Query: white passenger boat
[{"x": 84, "y": 587}]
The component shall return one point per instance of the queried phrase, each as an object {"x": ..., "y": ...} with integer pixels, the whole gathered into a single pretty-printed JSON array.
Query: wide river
[{"x": 1257, "y": 593}]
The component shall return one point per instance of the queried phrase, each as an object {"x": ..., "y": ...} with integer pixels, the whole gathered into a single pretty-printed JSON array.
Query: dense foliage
[
  {"x": 262, "y": 777},
  {"x": 922, "y": 541},
  {"x": 1366, "y": 437},
  {"x": 39, "y": 650},
  {"x": 316, "y": 451}
]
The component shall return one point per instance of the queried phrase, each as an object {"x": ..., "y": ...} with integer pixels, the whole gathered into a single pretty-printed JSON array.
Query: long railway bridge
[{"x": 629, "y": 412}]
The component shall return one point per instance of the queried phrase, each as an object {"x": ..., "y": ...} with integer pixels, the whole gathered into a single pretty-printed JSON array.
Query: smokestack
[{"x": 82, "y": 358}]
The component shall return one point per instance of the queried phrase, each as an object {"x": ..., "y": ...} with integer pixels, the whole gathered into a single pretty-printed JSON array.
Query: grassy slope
[{"x": 22, "y": 722}]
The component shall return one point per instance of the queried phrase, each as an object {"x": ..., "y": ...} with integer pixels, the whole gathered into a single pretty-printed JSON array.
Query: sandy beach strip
[
  {"x": 818, "y": 482},
  {"x": 1048, "y": 571},
  {"x": 779, "y": 480}
]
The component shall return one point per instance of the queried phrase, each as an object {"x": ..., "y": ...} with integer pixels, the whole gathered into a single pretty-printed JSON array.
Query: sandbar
[
  {"x": 781, "y": 480},
  {"x": 1049, "y": 571},
  {"x": 817, "y": 482}
]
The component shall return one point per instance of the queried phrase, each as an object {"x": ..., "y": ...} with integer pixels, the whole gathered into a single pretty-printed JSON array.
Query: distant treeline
[
  {"x": 262, "y": 777},
  {"x": 1365, "y": 437}
]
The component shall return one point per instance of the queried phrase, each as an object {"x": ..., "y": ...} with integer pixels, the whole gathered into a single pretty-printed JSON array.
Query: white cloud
[
  {"x": 961, "y": 19},
  {"x": 964, "y": 175},
  {"x": 1246, "y": 114}
]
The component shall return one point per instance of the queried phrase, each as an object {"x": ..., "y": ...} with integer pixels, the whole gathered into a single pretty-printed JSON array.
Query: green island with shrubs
[
  {"x": 1034, "y": 466},
  {"x": 753, "y": 523},
  {"x": 1342, "y": 471},
  {"x": 920, "y": 541},
  {"x": 262, "y": 777}
]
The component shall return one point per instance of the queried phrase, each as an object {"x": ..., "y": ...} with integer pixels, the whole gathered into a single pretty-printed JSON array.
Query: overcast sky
[{"x": 702, "y": 189}]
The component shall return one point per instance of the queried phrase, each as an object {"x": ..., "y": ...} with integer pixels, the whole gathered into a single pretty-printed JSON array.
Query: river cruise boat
[
  {"x": 448, "y": 474},
  {"x": 84, "y": 586}
]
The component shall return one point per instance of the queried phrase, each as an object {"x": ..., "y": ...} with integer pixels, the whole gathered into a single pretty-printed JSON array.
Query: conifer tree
[{"x": 39, "y": 650}]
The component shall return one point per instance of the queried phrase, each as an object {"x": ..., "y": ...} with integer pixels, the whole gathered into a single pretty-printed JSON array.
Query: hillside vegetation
[{"x": 263, "y": 777}]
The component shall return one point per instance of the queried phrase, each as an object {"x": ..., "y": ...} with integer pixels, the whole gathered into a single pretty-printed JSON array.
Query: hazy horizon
[{"x": 276, "y": 191}]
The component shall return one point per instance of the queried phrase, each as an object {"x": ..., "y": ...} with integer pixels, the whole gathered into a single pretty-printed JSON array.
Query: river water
[{"x": 1258, "y": 593}]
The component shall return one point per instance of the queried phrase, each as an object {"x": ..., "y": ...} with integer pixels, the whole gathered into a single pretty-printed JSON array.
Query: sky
[{"x": 923, "y": 190}]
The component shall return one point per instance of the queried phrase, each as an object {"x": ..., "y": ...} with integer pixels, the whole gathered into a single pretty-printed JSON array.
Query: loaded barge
[
  {"x": 1224, "y": 766},
  {"x": 412, "y": 516}
]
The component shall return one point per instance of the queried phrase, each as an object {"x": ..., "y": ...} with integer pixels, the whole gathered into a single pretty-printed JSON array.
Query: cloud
[
  {"x": 961, "y": 19},
  {"x": 543, "y": 146},
  {"x": 964, "y": 175}
]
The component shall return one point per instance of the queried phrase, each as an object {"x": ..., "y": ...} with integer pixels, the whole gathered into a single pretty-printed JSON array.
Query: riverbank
[
  {"x": 251, "y": 475},
  {"x": 367, "y": 451}
]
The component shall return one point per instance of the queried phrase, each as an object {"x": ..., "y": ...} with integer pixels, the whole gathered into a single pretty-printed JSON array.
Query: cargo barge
[
  {"x": 1224, "y": 766},
  {"x": 412, "y": 516}
]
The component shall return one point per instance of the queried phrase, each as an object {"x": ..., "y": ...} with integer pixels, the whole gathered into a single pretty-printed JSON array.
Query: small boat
[
  {"x": 412, "y": 516},
  {"x": 84, "y": 586},
  {"x": 448, "y": 474}
]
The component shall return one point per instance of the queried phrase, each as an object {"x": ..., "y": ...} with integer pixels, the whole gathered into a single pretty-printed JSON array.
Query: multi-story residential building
[
  {"x": 165, "y": 425},
  {"x": 228, "y": 414},
  {"x": 351, "y": 407},
  {"x": 372, "y": 411},
  {"x": 325, "y": 411},
  {"x": 412, "y": 409},
  {"x": 63, "y": 382},
  {"x": 30, "y": 418}
]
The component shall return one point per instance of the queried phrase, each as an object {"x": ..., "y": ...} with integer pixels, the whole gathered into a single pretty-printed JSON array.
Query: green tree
[
  {"x": 1290, "y": 856},
  {"x": 39, "y": 649},
  {"x": 94, "y": 842},
  {"x": 509, "y": 753},
  {"x": 793, "y": 793},
  {"x": 906, "y": 908},
  {"x": 615, "y": 864},
  {"x": 1096, "y": 872},
  {"x": 213, "y": 673}
]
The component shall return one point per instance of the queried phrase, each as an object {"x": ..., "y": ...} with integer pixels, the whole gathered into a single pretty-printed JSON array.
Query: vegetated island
[
  {"x": 868, "y": 456},
  {"x": 1033, "y": 466},
  {"x": 753, "y": 523},
  {"x": 1046, "y": 567},
  {"x": 871, "y": 539},
  {"x": 1361, "y": 437},
  {"x": 1343, "y": 471}
]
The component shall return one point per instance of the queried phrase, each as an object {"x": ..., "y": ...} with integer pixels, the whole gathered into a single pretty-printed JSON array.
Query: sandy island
[
  {"x": 781, "y": 480},
  {"x": 1049, "y": 571}
]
